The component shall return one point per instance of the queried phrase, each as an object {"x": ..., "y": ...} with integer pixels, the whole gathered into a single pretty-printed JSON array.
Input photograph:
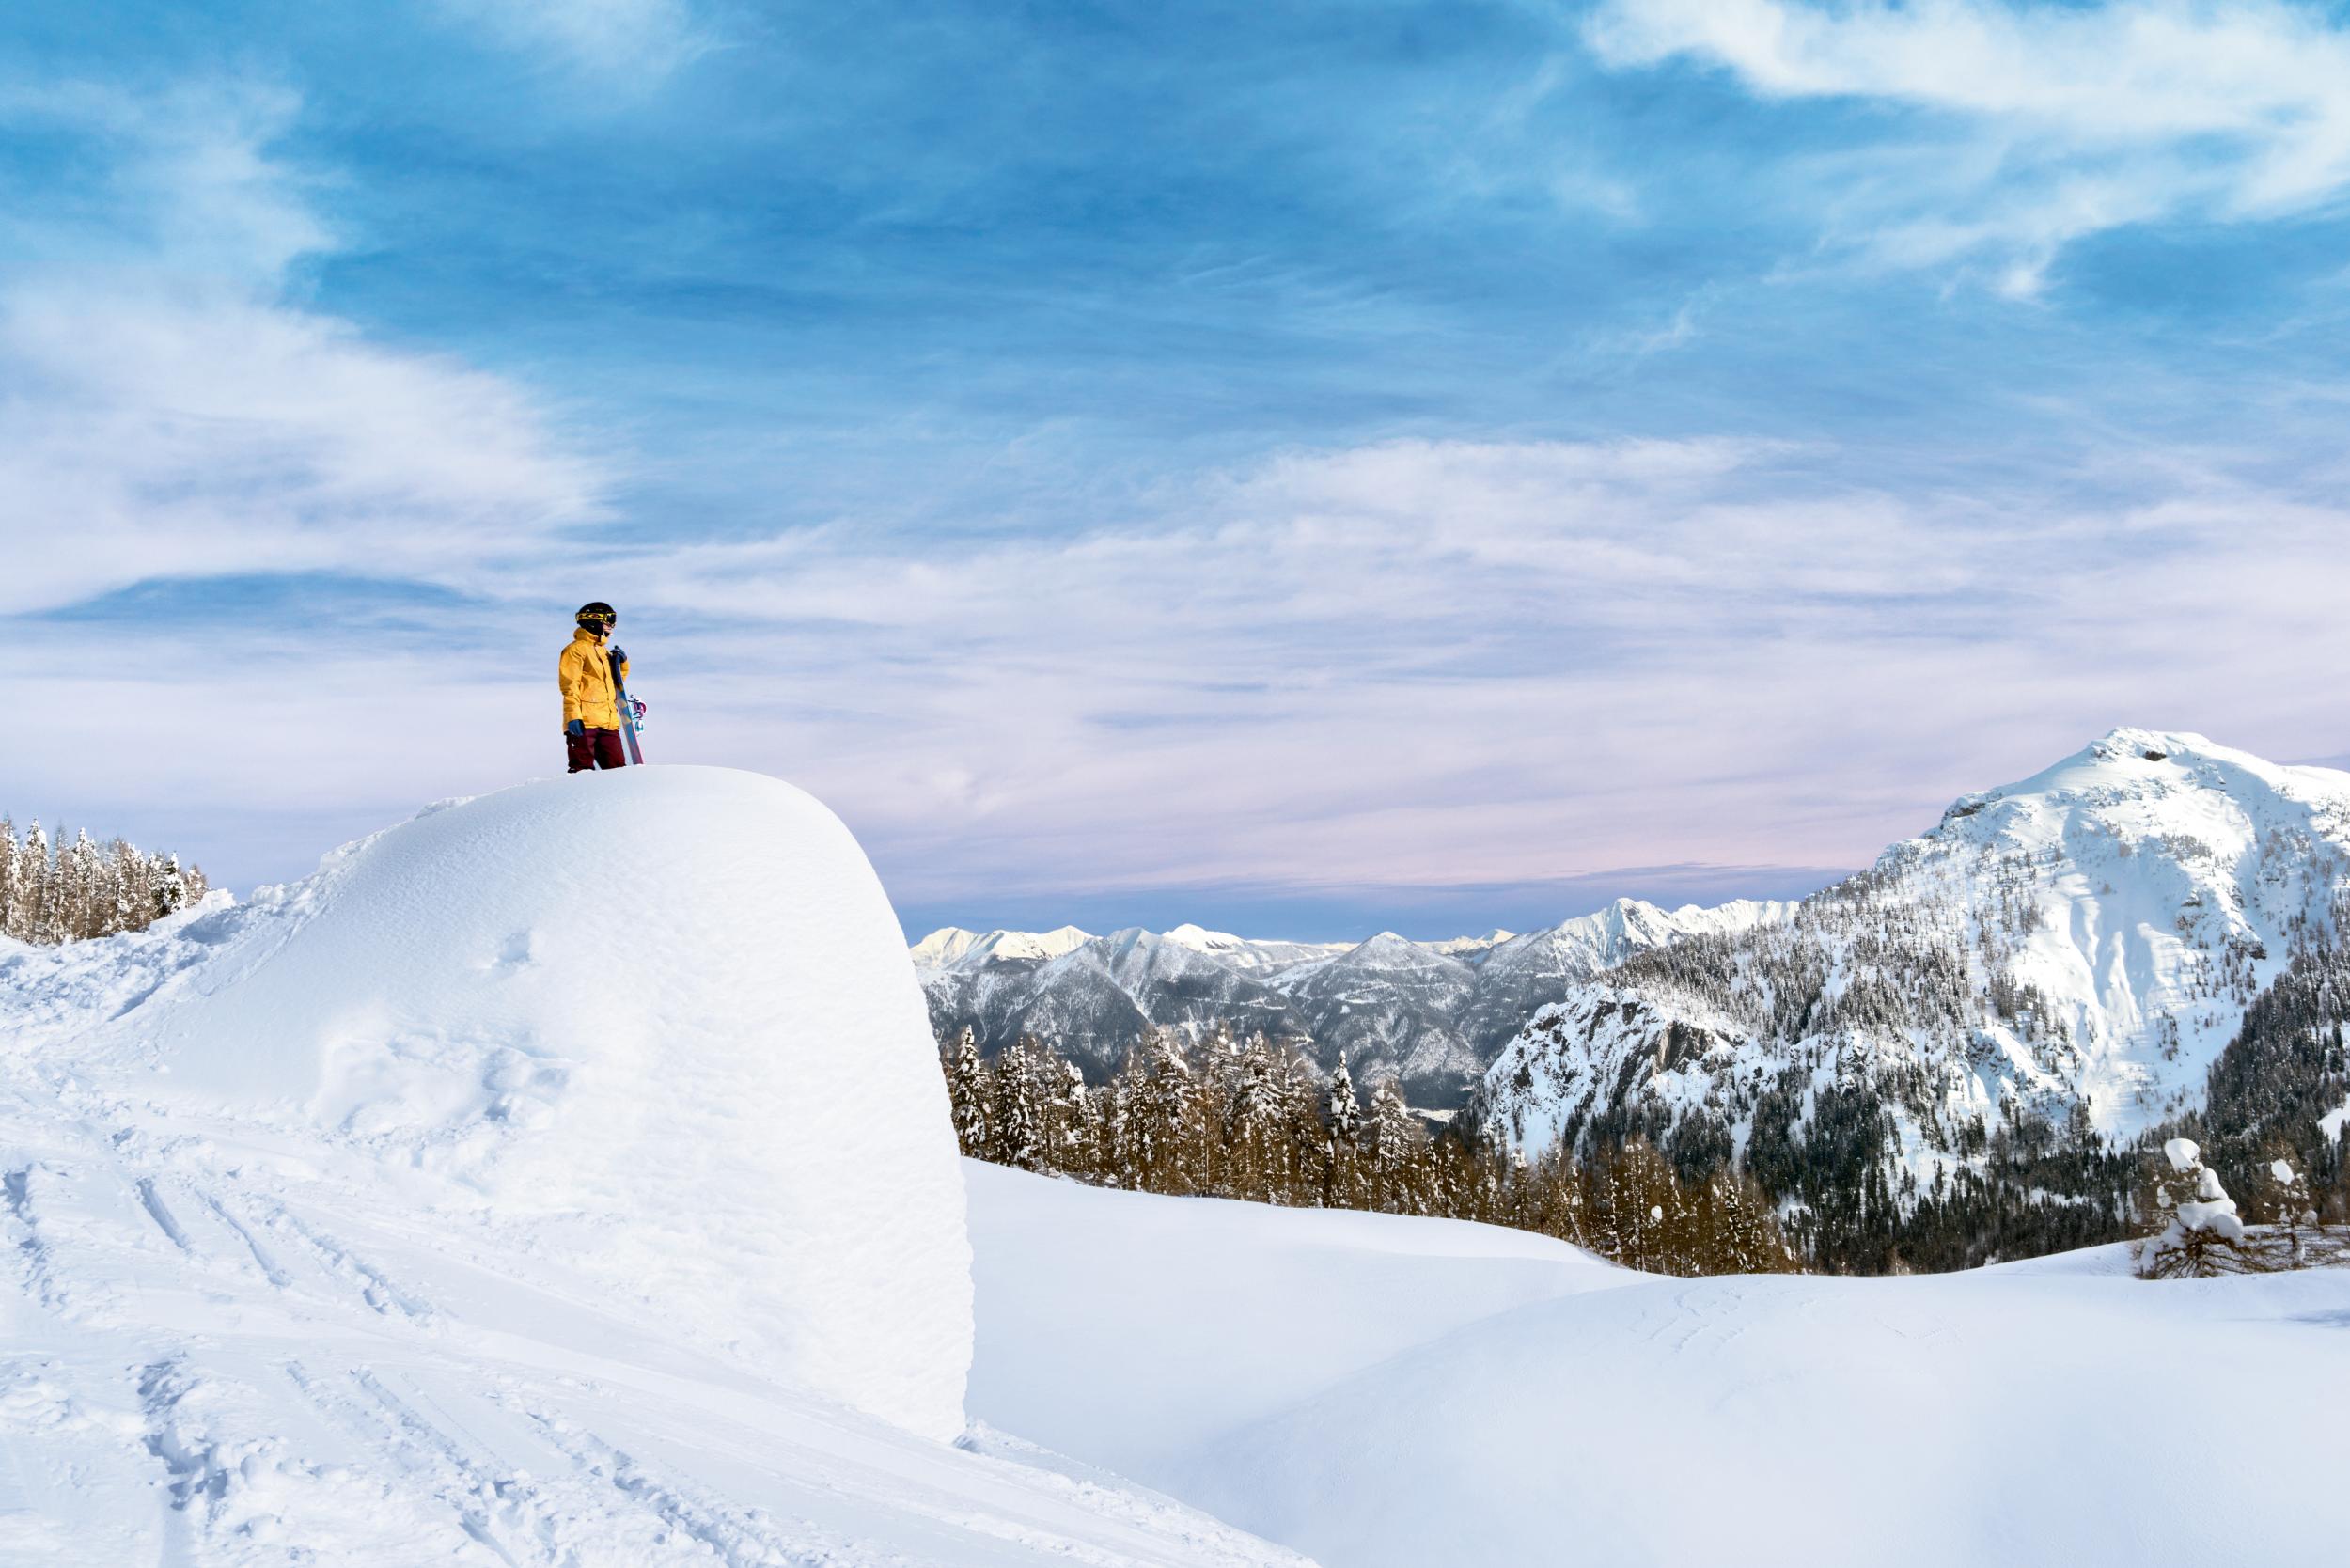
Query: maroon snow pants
[{"x": 597, "y": 748}]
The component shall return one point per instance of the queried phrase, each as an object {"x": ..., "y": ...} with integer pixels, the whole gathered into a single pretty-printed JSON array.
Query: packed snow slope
[
  {"x": 1185, "y": 1314},
  {"x": 563, "y": 1177},
  {"x": 2082, "y": 942},
  {"x": 1387, "y": 1392}
]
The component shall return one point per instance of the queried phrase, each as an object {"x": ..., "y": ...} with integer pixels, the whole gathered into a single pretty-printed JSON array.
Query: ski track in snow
[{"x": 197, "y": 1367}]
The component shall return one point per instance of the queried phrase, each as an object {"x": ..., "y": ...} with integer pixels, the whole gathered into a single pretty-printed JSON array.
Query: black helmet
[{"x": 598, "y": 615}]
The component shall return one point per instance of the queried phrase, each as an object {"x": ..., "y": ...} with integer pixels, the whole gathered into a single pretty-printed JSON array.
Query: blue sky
[{"x": 1300, "y": 468}]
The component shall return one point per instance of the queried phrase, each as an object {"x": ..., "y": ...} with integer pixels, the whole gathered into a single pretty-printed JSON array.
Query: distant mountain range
[
  {"x": 1430, "y": 1015},
  {"x": 1947, "y": 1056}
]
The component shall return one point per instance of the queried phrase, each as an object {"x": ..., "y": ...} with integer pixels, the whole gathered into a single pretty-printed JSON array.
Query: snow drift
[
  {"x": 1378, "y": 1391},
  {"x": 657, "y": 1026}
]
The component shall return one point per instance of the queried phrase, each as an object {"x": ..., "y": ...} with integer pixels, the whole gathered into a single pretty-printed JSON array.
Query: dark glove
[
  {"x": 618, "y": 657},
  {"x": 578, "y": 727}
]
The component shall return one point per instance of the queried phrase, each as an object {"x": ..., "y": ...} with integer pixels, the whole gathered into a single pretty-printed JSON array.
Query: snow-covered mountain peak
[
  {"x": 2133, "y": 866},
  {"x": 952, "y": 948},
  {"x": 2083, "y": 940},
  {"x": 1200, "y": 939},
  {"x": 942, "y": 946},
  {"x": 1462, "y": 947},
  {"x": 1387, "y": 950},
  {"x": 2140, "y": 781}
]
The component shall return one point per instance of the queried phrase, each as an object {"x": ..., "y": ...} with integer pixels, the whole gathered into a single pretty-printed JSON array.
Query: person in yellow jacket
[{"x": 591, "y": 705}]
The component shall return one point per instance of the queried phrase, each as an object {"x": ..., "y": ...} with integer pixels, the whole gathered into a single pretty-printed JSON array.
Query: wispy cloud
[
  {"x": 616, "y": 39},
  {"x": 169, "y": 408},
  {"x": 2038, "y": 124}
]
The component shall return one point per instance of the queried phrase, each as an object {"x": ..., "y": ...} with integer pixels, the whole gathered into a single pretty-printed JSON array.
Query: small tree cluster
[
  {"x": 1247, "y": 1119},
  {"x": 80, "y": 889}
]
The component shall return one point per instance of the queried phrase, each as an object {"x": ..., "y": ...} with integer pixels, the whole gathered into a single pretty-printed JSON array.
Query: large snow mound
[{"x": 657, "y": 1027}]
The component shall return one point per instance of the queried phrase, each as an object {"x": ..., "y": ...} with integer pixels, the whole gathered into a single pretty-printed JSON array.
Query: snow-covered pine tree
[
  {"x": 1016, "y": 1118},
  {"x": 130, "y": 895},
  {"x": 1305, "y": 1139},
  {"x": 1341, "y": 1150},
  {"x": 81, "y": 876},
  {"x": 172, "y": 891},
  {"x": 1743, "y": 1234},
  {"x": 1343, "y": 1112},
  {"x": 34, "y": 875},
  {"x": 1256, "y": 1130},
  {"x": 1120, "y": 1159},
  {"x": 1072, "y": 1117},
  {"x": 1171, "y": 1132},
  {"x": 2205, "y": 1235},
  {"x": 11, "y": 899},
  {"x": 1654, "y": 1222},
  {"x": 1395, "y": 1147},
  {"x": 968, "y": 1094},
  {"x": 1552, "y": 1197}
]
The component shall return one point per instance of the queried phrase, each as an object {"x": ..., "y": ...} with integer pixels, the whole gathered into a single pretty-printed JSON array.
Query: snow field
[
  {"x": 1390, "y": 1391},
  {"x": 1129, "y": 1328}
]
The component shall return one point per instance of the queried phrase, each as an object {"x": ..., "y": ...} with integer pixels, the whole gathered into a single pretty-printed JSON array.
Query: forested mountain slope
[{"x": 2054, "y": 970}]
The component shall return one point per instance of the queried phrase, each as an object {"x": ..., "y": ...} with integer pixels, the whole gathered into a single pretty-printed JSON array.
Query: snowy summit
[{"x": 2081, "y": 943}]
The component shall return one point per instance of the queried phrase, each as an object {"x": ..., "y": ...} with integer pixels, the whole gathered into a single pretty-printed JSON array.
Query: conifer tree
[
  {"x": 47, "y": 923},
  {"x": 1395, "y": 1150},
  {"x": 173, "y": 893},
  {"x": 1016, "y": 1117},
  {"x": 1170, "y": 1130},
  {"x": 1341, "y": 1158},
  {"x": 11, "y": 899},
  {"x": 968, "y": 1094},
  {"x": 79, "y": 877},
  {"x": 1257, "y": 1126},
  {"x": 1071, "y": 1115},
  {"x": 1120, "y": 1143}
]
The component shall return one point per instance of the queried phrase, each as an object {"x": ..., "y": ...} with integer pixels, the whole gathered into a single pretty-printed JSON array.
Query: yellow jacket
[{"x": 584, "y": 673}]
